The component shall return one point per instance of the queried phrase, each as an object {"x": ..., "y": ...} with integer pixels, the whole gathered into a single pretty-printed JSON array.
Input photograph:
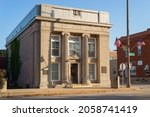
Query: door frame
[{"x": 78, "y": 71}]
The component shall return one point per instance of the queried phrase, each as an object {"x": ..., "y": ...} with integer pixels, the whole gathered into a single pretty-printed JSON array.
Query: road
[{"x": 142, "y": 94}]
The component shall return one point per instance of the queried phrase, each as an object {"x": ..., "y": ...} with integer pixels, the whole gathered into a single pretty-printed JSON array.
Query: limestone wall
[
  {"x": 74, "y": 14},
  {"x": 29, "y": 56}
]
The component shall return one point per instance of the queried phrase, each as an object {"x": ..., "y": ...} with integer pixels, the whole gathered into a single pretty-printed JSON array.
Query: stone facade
[{"x": 64, "y": 45}]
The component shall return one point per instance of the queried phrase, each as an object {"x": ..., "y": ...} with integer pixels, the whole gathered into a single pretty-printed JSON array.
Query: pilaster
[
  {"x": 45, "y": 55},
  {"x": 103, "y": 60}
]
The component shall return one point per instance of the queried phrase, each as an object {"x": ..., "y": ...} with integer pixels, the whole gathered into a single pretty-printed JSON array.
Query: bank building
[{"x": 56, "y": 45}]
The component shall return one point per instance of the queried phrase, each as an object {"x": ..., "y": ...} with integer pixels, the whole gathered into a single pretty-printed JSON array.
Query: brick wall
[{"x": 145, "y": 57}]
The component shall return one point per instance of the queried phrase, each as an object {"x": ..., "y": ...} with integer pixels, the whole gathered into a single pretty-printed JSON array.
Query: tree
[{"x": 3, "y": 77}]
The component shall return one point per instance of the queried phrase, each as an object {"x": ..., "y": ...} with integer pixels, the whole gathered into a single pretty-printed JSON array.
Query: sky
[{"x": 13, "y": 11}]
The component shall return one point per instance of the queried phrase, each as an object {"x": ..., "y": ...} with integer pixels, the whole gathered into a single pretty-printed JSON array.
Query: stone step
[{"x": 77, "y": 85}]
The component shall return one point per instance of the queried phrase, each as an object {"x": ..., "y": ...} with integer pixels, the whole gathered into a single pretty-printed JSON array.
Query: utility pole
[{"x": 128, "y": 48}]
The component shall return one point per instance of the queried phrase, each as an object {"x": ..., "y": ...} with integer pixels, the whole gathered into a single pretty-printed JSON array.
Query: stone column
[
  {"x": 65, "y": 58},
  {"x": 82, "y": 61},
  {"x": 85, "y": 61},
  {"x": 98, "y": 60}
]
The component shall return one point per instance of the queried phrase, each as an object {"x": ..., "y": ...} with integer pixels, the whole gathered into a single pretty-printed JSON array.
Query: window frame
[
  {"x": 59, "y": 45},
  {"x": 135, "y": 69},
  {"x": 95, "y": 46},
  {"x": 58, "y": 71},
  {"x": 94, "y": 72},
  {"x": 126, "y": 52},
  {"x": 139, "y": 50},
  {"x": 70, "y": 41},
  {"x": 146, "y": 70}
]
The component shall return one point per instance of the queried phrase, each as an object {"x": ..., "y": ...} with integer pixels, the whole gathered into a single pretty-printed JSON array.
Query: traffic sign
[
  {"x": 132, "y": 54},
  {"x": 122, "y": 66}
]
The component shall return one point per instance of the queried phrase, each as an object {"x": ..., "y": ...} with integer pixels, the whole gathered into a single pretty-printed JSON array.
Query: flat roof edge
[
  {"x": 22, "y": 25},
  {"x": 31, "y": 16}
]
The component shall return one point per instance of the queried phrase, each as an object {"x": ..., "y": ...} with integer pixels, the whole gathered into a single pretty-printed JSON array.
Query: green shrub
[
  {"x": 3, "y": 76},
  {"x": 15, "y": 63}
]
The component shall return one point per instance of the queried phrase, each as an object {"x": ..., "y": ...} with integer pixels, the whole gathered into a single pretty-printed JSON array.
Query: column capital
[
  {"x": 85, "y": 35},
  {"x": 65, "y": 34}
]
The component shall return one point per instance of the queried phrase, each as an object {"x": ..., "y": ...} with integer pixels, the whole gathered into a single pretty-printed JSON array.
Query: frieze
[{"x": 78, "y": 27}]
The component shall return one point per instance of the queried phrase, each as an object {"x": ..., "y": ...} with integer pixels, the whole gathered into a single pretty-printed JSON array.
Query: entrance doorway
[{"x": 74, "y": 73}]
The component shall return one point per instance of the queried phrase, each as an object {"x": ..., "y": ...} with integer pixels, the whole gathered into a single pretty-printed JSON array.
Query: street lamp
[
  {"x": 128, "y": 48},
  {"x": 118, "y": 44}
]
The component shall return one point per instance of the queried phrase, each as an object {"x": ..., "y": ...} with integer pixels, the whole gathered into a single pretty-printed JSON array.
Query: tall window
[
  {"x": 74, "y": 47},
  {"x": 139, "y": 48},
  {"x": 92, "y": 47},
  {"x": 55, "y": 45},
  {"x": 55, "y": 71},
  {"x": 125, "y": 49},
  {"x": 92, "y": 70},
  {"x": 133, "y": 70},
  {"x": 146, "y": 70}
]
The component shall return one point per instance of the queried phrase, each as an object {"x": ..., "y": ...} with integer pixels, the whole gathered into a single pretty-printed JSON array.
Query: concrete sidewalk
[{"x": 62, "y": 91}]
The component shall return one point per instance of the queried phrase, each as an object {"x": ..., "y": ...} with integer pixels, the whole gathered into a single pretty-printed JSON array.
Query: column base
[
  {"x": 88, "y": 82},
  {"x": 67, "y": 84}
]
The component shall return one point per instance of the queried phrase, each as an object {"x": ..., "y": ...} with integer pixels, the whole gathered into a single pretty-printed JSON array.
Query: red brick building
[{"x": 140, "y": 56}]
